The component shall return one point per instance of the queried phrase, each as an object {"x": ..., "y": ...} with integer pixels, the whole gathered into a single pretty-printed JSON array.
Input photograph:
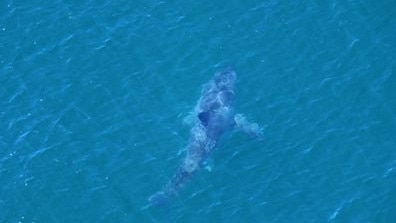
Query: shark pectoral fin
[
  {"x": 189, "y": 119},
  {"x": 158, "y": 199},
  {"x": 208, "y": 164},
  {"x": 250, "y": 128}
]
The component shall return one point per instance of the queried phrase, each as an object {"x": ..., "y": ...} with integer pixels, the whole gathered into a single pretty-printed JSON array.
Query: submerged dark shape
[
  {"x": 204, "y": 117},
  {"x": 213, "y": 116}
]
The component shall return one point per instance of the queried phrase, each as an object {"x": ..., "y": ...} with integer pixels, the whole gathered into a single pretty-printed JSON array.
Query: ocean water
[{"x": 93, "y": 94}]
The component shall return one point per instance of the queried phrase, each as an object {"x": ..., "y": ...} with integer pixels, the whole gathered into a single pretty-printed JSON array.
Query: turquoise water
[{"x": 93, "y": 94}]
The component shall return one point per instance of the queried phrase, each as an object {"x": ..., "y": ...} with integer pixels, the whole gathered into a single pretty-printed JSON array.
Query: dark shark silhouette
[{"x": 212, "y": 117}]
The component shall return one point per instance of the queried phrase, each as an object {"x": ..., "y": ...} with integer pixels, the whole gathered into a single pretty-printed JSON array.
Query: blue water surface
[{"x": 93, "y": 96}]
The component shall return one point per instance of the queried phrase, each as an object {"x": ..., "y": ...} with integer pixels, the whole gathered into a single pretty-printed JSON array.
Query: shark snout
[{"x": 225, "y": 79}]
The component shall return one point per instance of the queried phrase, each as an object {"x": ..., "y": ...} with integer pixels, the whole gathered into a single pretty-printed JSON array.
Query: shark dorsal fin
[{"x": 204, "y": 118}]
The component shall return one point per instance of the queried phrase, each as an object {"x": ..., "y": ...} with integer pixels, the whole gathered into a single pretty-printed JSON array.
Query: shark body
[{"x": 212, "y": 117}]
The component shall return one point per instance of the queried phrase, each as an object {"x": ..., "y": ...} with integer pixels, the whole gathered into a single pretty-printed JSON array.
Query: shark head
[{"x": 225, "y": 80}]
